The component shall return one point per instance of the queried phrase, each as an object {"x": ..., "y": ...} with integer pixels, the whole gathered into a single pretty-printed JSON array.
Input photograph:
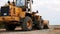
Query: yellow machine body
[
  {"x": 13, "y": 15},
  {"x": 21, "y": 16}
]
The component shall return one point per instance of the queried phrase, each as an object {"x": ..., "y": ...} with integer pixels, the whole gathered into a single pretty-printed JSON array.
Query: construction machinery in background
[{"x": 19, "y": 13}]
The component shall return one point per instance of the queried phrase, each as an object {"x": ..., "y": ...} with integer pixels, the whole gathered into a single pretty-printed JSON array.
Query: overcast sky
[{"x": 49, "y": 9}]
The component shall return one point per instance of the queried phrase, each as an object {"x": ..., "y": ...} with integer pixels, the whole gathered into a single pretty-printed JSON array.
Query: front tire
[
  {"x": 27, "y": 24},
  {"x": 38, "y": 23}
]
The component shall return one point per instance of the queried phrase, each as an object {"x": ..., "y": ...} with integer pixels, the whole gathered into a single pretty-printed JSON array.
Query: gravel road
[{"x": 52, "y": 30}]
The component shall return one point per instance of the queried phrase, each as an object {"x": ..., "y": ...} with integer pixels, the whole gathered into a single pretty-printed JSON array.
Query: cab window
[{"x": 20, "y": 3}]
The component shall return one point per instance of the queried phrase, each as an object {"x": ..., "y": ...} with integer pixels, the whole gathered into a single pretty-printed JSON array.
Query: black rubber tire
[
  {"x": 24, "y": 24},
  {"x": 10, "y": 27},
  {"x": 38, "y": 24}
]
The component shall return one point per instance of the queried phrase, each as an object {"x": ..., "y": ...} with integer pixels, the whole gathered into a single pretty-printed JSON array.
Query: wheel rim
[{"x": 29, "y": 25}]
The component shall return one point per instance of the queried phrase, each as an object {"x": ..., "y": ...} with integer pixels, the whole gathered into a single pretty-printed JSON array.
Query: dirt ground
[{"x": 55, "y": 29}]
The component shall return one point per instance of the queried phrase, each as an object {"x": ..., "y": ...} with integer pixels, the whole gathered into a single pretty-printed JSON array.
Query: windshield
[{"x": 20, "y": 3}]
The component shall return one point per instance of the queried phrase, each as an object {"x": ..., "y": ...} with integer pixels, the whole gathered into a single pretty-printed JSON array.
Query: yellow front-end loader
[{"x": 18, "y": 13}]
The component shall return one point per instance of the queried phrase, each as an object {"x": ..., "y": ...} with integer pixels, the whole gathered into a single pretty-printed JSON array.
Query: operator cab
[{"x": 24, "y": 4}]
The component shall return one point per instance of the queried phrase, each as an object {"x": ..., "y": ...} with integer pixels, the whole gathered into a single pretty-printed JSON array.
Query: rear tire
[
  {"x": 27, "y": 24},
  {"x": 10, "y": 27}
]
